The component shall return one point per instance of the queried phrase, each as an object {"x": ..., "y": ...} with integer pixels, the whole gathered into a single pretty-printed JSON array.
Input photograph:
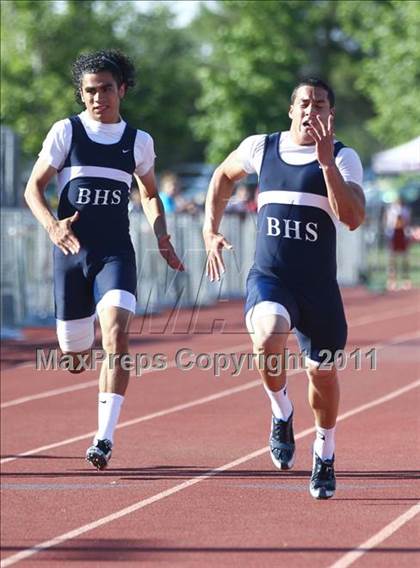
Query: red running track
[{"x": 190, "y": 482}]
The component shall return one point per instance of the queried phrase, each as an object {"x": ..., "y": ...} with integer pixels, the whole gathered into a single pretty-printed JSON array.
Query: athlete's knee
[
  {"x": 75, "y": 338},
  {"x": 268, "y": 331},
  {"x": 269, "y": 352},
  {"x": 268, "y": 342},
  {"x": 115, "y": 339},
  {"x": 321, "y": 376},
  {"x": 269, "y": 334},
  {"x": 77, "y": 362}
]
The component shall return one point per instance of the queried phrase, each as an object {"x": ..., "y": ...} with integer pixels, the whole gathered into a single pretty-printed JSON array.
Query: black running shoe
[
  {"x": 282, "y": 443},
  {"x": 322, "y": 485},
  {"x": 99, "y": 454}
]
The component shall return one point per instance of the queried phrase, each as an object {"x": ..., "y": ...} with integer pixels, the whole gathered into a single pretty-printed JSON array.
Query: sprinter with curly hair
[{"x": 95, "y": 154}]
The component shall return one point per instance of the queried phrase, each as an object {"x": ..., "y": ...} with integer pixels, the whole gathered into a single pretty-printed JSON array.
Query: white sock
[
  {"x": 324, "y": 445},
  {"x": 280, "y": 404},
  {"x": 109, "y": 406}
]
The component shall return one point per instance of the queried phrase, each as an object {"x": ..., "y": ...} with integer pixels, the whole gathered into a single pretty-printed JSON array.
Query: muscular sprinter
[{"x": 308, "y": 183}]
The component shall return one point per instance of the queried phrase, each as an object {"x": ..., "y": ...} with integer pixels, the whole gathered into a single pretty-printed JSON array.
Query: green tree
[
  {"x": 389, "y": 72},
  {"x": 257, "y": 51},
  {"x": 41, "y": 39},
  {"x": 164, "y": 98},
  {"x": 39, "y": 42},
  {"x": 246, "y": 78}
]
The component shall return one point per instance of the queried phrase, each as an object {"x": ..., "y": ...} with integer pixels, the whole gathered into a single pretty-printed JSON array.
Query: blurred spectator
[
  {"x": 134, "y": 203},
  {"x": 169, "y": 188},
  {"x": 172, "y": 199},
  {"x": 397, "y": 230},
  {"x": 243, "y": 200}
]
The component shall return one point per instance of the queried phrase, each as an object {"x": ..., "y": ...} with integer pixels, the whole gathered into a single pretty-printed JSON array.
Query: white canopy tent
[{"x": 404, "y": 158}]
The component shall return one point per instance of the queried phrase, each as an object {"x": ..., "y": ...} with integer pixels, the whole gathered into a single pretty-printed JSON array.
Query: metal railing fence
[{"x": 27, "y": 268}]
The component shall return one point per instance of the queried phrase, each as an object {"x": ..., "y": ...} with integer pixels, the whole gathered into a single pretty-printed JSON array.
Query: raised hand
[
  {"x": 61, "y": 234},
  {"x": 323, "y": 136},
  {"x": 167, "y": 251},
  {"x": 215, "y": 243}
]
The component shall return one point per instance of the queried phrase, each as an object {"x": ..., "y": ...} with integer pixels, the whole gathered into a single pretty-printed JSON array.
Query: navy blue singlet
[
  {"x": 295, "y": 259},
  {"x": 99, "y": 183}
]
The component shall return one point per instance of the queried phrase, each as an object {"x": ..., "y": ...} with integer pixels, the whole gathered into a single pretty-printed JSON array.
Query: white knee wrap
[
  {"x": 76, "y": 335},
  {"x": 265, "y": 309}
]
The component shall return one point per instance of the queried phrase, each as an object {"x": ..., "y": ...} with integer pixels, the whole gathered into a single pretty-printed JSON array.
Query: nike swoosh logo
[
  {"x": 102, "y": 401},
  {"x": 125, "y": 151}
]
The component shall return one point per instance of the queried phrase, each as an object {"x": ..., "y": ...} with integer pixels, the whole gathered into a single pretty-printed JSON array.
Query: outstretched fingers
[
  {"x": 321, "y": 127},
  {"x": 331, "y": 125},
  {"x": 215, "y": 264}
]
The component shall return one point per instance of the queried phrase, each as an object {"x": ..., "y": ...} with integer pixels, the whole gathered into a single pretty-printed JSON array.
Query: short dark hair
[
  {"x": 314, "y": 82},
  {"x": 118, "y": 64}
]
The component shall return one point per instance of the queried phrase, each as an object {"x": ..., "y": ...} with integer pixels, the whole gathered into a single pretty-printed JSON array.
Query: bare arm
[
  {"x": 155, "y": 214},
  {"x": 151, "y": 203},
  {"x": 346, "y": 198},
  {"x": 59, "y": 231},
  {"x": 220, "y": 190}
]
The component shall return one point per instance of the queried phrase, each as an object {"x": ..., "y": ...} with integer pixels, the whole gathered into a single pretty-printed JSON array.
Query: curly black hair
[{"x": 118, "y": 64}]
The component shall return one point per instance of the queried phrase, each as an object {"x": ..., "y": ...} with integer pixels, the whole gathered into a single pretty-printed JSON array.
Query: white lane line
[
  {"x": 189, "y": 483},
  {"x": 94, "y": 382},
  {"x": 64, "y": 390},
  {"x": 184, "y": 406},
  {"x": 384, "y": 315},
  {"x": 377, "y": 538},
  {"x": 164, "y": 412},
  {"x": 48, "y": 393}
]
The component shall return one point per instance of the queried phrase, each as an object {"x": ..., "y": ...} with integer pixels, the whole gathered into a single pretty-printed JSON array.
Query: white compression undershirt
[
  {"x": 251, "y": 151},
  {"x": 56, "y": 145}
]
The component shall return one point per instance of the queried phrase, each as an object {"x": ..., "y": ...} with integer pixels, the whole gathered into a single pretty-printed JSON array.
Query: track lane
[
  {"x": 8, "y": 437},
  {"x": 395, "y": 367},
  {"x": 19, "y": 387},
  {"x": 178, "y": 509}
]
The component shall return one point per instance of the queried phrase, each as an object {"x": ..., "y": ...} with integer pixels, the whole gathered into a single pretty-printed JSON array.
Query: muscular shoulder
[
  {"x": 350, "y": 165},
  {"x": 348, "y": 153},
  {"x": 144, "y": 152},
  {"x": 60, "y": 129},
  {"x": 250, "y": 152},
  {"x": 143, "y": 139},
  {"x": 57, "y": 143}
]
